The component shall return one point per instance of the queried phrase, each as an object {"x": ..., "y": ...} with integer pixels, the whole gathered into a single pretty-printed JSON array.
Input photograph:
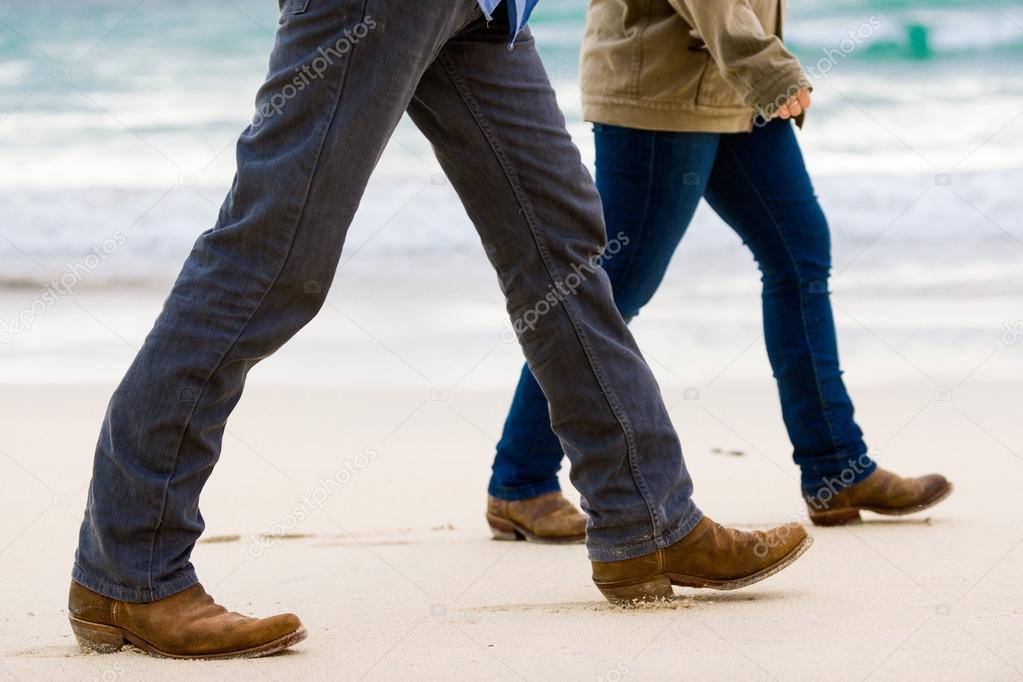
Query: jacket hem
[{"x": 658, "y": 116}]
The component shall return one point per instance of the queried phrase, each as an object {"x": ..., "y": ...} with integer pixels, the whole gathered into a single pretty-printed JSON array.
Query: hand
[{"x": 795, "y": 106}]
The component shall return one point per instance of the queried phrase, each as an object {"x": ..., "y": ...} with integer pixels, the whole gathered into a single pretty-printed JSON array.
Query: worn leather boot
[
  {"x": 188, "y": 624},
  {"x": 882, "y": 493},
  {"x": 548, "y": 518},
  {"x": 710, "y": 556}
]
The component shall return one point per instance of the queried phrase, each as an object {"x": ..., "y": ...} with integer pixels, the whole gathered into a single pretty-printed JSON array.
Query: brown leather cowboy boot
[
  {"x": 548, "y": 518},
  {"x": 188, "y": 624},
  {"x": 710, "y": 556},
  {"x": 882, "y": 493}
]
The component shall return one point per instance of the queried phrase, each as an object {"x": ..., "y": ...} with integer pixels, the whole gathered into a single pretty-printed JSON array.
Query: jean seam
[
  {"x": 644, "y": 214},
  {"x": 463, "y": 90},
  {"x": 632, "y": 258},
  {"x": 255, "y": 309},
  {"x": 828, "y": 419}
]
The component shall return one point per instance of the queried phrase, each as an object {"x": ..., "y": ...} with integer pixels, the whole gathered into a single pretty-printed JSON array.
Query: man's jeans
[
  {"x": 263, "y": 272},
  {"x": 650, "y": 183}
]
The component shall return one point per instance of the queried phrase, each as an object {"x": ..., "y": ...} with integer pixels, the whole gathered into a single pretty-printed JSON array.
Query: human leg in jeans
[
  {"x": 493, "y": 120},
  {"x": 262, "y": 273},
  {"x": 650, "y": 183},
  {"x": 760, "y": 187},
  {"x": 512, "y": 155}
]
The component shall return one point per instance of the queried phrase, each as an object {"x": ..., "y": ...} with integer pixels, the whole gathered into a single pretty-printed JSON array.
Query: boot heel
[
  {"x": 835, "y": 517},
  {"x": 502, "y": 529},
  {"x": 102, "y": 639},
  {"x": 656, "y": 589}
]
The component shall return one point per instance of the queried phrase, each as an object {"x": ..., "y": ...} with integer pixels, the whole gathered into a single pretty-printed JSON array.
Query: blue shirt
[{"x": 518, "y": 13}]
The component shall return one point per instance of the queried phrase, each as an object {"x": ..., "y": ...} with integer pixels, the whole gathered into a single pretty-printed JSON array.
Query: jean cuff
[
  {"x": 648, "y": 545},
  {"x": 141, "y": 595},
  {"x": 852, "y": 470},
  {"x": 525, "y": 492}
]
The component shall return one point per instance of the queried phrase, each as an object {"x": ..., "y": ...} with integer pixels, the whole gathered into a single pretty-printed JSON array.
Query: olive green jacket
[{"x": 686, "y": 65}]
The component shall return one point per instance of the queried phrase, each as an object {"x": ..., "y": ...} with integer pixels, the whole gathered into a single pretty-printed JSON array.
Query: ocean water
[{"x": 118, "y": 117}]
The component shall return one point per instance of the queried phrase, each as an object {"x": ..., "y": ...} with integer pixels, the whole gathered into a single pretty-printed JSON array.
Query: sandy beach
[
  {"x": 352, "y": 484},
  {"x": 360, "y": 508}
]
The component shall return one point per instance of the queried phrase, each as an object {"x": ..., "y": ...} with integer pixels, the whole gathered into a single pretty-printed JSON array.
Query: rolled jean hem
[
  {"x": 618, "y": 552},
  {"x": 513, "y": 494},
  {"x": 166, "y": 589}
]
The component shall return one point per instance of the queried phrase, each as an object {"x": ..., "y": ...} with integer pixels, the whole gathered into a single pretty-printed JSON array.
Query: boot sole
[
  {"x": 108, "y": 639},
  {"x": 659, "y": 587},
  {"x": 503, "y": 529},
  {"x": 840, "y": 517}
]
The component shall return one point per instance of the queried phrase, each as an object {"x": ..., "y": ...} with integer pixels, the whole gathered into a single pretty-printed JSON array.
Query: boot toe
[
  {"x": 266, "y": 636},
  {"x": 284, "y": 624},
  {"x": 779, "y": 542},
  {"x": 934, "y": 484}
]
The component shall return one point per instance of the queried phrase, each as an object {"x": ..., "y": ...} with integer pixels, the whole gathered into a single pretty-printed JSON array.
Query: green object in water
[{"x": 918, "y": 39}]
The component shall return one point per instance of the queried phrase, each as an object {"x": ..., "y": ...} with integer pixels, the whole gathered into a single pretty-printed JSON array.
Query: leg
[
  {"x": 497, "y": 131},
  {"x": 650, "y": 184},
  {"x": 337, "y": 86},
  {"x": 760, "y": 187}
]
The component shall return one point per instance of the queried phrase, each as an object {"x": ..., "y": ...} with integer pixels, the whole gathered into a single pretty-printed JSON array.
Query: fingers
[
  {"x": 805, "y": 100},
  {"x": 795, "y": 106}
]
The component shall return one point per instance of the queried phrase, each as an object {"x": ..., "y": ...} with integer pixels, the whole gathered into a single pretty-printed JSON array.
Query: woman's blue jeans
[{"x": 650, "y": 183}]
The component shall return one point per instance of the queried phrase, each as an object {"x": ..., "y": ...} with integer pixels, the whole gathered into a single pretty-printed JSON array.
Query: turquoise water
[
  {"x": 76, "y": 76},
  {"x": 948, "y": 30},
  {"x": 116, "y": 113}
]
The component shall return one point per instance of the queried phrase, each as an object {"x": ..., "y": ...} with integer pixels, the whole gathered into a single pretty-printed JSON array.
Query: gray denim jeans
[{"x": 342, "y": 73}]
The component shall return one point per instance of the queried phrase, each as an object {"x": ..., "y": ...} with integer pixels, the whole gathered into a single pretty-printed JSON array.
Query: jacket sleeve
[{"x": 755, "y": 62}]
